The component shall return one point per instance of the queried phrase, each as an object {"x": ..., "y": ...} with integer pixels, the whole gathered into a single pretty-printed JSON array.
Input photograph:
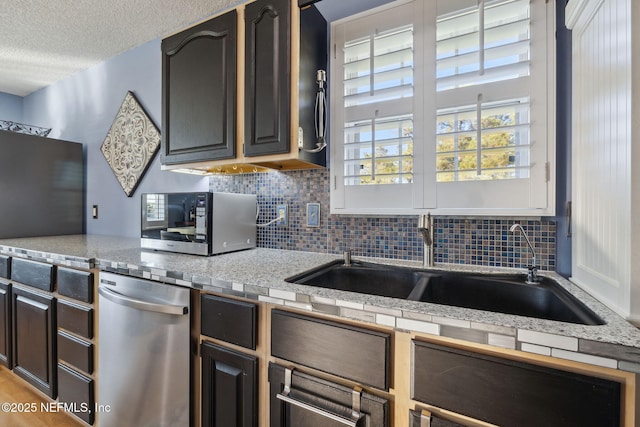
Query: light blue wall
[
  {"x": 10, "y": 107},
  {"x": 82, "y": 107}
]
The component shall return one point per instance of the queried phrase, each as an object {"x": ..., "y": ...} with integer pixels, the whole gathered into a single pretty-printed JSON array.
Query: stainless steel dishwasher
[{"x": 143, "y": 353}]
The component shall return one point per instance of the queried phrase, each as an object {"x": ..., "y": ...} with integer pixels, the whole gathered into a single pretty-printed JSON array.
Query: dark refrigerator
[{"x": 41, "y": 186}]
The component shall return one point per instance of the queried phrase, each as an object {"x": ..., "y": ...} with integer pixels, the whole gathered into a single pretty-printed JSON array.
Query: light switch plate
[{"x": 313, "y": 214}]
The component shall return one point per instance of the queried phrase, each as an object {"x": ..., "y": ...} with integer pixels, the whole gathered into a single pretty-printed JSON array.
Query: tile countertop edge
[{"x": 259, "y": 274}]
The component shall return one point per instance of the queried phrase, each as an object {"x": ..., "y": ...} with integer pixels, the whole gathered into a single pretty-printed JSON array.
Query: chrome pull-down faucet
[
  {"x": 425, "y": 227},
  {"x": 532, "y": 274}
]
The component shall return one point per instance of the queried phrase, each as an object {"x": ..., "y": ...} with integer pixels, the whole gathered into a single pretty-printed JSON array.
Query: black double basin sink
[{"x": 502, "y": 293}]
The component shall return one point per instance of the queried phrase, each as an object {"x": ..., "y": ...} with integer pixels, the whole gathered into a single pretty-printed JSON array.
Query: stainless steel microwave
[{"x": 198, "y": 223}]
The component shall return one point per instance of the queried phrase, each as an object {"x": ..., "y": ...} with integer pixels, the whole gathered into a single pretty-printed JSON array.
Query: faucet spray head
[
  {"x": 532, "y": 271},
  {"x": 424, "y": 227}
]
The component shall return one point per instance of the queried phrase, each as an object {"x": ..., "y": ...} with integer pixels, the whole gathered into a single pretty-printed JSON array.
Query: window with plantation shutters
[
  {"x": 378, "y": 79},
  {"x": 444, "y": 106},
  {"x": 375, "y": 78},
  {"x": 483, "y": 51}
]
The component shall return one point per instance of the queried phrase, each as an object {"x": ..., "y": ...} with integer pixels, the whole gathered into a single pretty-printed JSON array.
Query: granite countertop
[{"x": 259, "y": 274}]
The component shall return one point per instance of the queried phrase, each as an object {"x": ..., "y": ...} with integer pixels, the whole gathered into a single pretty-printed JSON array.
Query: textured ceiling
[{"x": 43, "y": 41}]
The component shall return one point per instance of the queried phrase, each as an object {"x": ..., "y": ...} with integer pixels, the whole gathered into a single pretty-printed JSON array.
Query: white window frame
[{"x": 513, "y": 197}]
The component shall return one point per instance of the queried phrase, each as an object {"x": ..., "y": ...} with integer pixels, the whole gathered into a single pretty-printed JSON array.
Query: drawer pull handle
[
  {"x": 425, "y": 418},
  {"x": 356, "y": 415}
]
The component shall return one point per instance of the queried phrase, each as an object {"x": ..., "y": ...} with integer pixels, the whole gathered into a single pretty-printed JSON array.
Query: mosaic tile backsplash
[{"x": 458, "y": 240}]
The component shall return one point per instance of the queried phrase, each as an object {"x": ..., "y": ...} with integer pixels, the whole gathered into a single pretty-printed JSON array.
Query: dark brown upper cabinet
[
  {"x": 267, "y": 77},
  {"x": 278, "y": 53},
  {"x": 199, "y": 92}
]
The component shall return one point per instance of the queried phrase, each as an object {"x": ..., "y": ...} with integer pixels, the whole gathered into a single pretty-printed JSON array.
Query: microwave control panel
[{"x": 201, "y": 218}]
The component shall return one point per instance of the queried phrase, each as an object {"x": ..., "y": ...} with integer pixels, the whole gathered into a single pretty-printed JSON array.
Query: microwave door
[
  {"x": 169, "y": 216},
  {"x": 181, "y": 213}
]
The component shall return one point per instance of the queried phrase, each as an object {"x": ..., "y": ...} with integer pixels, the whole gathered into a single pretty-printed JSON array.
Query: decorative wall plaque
[{"x": 130, "y": 144}]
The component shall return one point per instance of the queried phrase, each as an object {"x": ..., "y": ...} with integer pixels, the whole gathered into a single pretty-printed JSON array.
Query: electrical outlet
[{"x": 283, "y": 215}]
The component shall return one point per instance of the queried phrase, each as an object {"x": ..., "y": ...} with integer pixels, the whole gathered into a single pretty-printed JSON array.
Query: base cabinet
[
  {"x": 75, "y": 343},
  {"x": 34, "y": 343},
  {"x": 229, "y": 387}
]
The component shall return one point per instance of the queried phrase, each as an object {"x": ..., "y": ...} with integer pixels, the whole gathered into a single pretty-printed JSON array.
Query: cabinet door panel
[
  {"x": 229, "y": 387},
  {"x": 199, "y": 92},
  {"x": 267, "y": 77},
  {"x": 34, "y": 344},
  {"x": 511, "y": 393}
]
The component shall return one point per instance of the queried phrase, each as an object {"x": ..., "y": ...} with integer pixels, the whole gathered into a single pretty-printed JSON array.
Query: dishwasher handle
[{"x": 117, "y": 298}]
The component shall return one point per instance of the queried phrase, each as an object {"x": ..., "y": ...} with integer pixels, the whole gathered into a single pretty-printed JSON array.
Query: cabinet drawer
[
  {"x": 5, "y": 266},
  {"x": 77, "y": 391},
  {"x": 314, "y": 402},
  {"x": 75, "y": 352},
  {"x": 229, "y": 320},
  {"x": 75, "y": 318},
  {"x": 33, "y": 273},
  {"x": 348, "y": 351},
  {"x": 511, "y": 393},
  {"x": 75, "y": 284}
]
